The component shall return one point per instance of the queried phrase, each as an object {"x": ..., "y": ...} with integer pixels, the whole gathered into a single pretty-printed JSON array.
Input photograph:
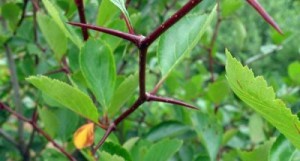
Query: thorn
[
  {"x": 151, "y": 97},
  {"x": 256, "y": 5},
  {"x": 127, "y": 36}
]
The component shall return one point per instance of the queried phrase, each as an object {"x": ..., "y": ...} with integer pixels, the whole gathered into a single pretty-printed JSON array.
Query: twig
[
  {"x": 169, "y": 100},
  {"x": 80, "y": 8},
  {"x": 130, "y": 37},
  {"x": 213, "y": 41},
  {"x": 143, "y": 43},
  {"x": 34, "y": 125},
  {"x": 170, "y": 22},
  {"x": 9, "y": 138},
  {"x": 22, "y": 16},
  {"x": 16, "y": 90}
]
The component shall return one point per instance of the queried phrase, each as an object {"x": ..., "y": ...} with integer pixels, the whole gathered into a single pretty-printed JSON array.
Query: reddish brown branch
[
  {"x": 170, "y": 22},
  {"x": 80, "y": 8},
  {"x": 213, "y": 41},
  {"x": 143, "y": 44},
  {"x": 130, "y": 37},
  {"x": 34, "y": 125},
  {"x": 257, "y": 6},
  {"x": 155, "y": 98}
]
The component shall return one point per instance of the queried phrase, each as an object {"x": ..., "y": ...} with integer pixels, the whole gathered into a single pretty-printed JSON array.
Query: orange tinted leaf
[{"x": 84, "y": 136}]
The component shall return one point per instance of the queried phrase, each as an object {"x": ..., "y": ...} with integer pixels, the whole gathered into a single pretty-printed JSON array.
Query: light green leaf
[
  {"x": 104, "y": 156},
  {"x": 176, "y": 43},
  {"x": 54, "y": 13},
  {"x": 107, "y": 11},
  {"x": 228, "y": 7},
  {"x": 98, "y": 67},
  {"x": 50, "y": 121},
  {"x": 256, "y": 128},
  {"x": 209, "y": 131},
  {"x": 163, "y": 150},
  {"x": 53, "y": 35},
  {"x": 121, "y": 5},
  {"x": 123, "y": 93},
  {"x": 261, "y": 153},
  {"x": 229, "y": 134},
  {"x": 294, "y": 71},
  {"x": 255, "y": 92},
  {"x": 66, "y": 95},
  {"x": 218, "y": 91},
  {"x": 282, "y": 149},
  {"x": 130, "y": 143}
]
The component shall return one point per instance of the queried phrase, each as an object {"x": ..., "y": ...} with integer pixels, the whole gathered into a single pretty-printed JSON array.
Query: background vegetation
[{"x": 224, "y": 128}]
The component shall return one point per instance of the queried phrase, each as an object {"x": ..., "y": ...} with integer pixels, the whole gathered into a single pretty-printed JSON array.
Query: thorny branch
[{"x": 142, "y": 43}]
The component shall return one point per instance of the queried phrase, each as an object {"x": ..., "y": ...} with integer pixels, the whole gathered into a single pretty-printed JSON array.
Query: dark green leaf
[
  {"x": 166, "y": 129},
  {"x": 163, "y": 150},
  {"x": 114, "y": 149},
  {"x": 209, "y": 131}
]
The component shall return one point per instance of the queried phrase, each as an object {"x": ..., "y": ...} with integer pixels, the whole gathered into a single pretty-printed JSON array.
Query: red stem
[
  {"x": 257, "y": 6},
  {"x": 80, "y": 8},
  {"x": 130, "y": 37},
  {"x": 170, "y": 22},
  {"x": 169, "y": 100},
  {"x": 34, "y": 125},
  {"x": 213, "y": 41}
]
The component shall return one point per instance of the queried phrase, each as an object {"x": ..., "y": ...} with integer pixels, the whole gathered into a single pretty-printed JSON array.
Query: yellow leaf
[{"x": 84, "y": 136}]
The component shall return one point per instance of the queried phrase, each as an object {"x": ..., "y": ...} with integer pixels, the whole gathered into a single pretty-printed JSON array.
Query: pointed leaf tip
[{"x": 257, "y": 6}]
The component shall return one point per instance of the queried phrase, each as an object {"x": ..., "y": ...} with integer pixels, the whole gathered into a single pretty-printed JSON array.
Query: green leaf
[
  {"x": 55, "y": 14},
  {"x": 256, "y": 126},
  {"x": 66, "y": 95},
  {"x": 50, "y": 121},
  {"x": 104, "y": 156},
  {"x": 98, "y": 67},
  {"x": 121, "y": 5},
  {"x": 11, "y": 12},
  {"x": 176, "y": 43},
  {"x": 229, "y": 134},
  {"x": 115, "y": 149},
  {"x": 140, "y": 149},
  {"x": 163, "y": 150},
  {"x": 68, "y": 123},
  {"x": 107, "y": 11},
  {"x": 294, "y": 71},
  {"x": 53, "y": 35},
  {"x": 129, "y": 144},
  {"x": 228, "y": 7},
  {"x": 123, "y": 93},
  {"x": 260, "y": 153},
  {"x": 255, "y": 92},
  {"x": 166, "y": 129},
  {"x": 209, "y": 131},
  {"x": 218, "y": 91},
  {"x": 282, "y": 149}
]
